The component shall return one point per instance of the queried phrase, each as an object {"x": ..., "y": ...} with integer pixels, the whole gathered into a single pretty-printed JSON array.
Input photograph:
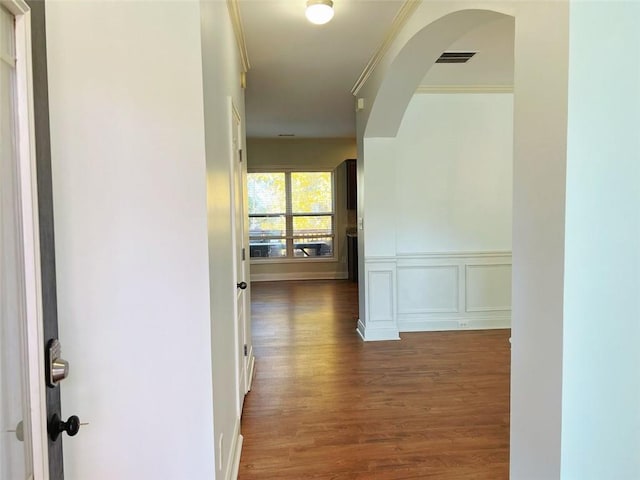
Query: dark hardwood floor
[{"x": 325, "y": 405}]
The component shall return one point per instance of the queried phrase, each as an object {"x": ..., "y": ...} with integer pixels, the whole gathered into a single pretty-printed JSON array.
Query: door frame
[{"x": 36, "y": 395}]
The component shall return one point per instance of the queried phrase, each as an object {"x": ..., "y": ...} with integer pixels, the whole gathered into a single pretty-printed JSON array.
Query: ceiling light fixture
[{"x": 319, "y": 11}]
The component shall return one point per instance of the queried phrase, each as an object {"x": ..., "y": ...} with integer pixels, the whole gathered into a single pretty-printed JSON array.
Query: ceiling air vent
[{"x": 455, "y": 57}]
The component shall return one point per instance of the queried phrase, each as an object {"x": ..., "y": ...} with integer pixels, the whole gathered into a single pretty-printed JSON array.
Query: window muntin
[{"x": 291, "y": 214}]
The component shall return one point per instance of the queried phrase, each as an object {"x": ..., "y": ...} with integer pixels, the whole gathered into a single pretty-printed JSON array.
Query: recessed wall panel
[
  {"x": 381, "y": 296},
  {"x": 428, "y": 288},
  {"x": 488, "y": 288}
]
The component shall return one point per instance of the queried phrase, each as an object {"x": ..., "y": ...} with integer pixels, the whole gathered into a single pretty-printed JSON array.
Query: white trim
[
  {"x": 252, "y": 368},
  {"x": 416, "y": 256},
  {"x": 17, "y": 7},
  {"x": 233, "y": 465},
  {"x": 457, "y": 323},
  {"x": 31, "y": 239},
  {"x": 275, "y": 277},
  {"x": 292, "y": 260},
  {"x": 501, "y": 308},
  {"x": 370, "y": 334},
  {"x": 427, "y": 89},
  {"x": 400, "y": 20},
  {"x": 238, "y": 30},
  {"x": 290, "y": 169},
  {"x": 8, "y": 60},
  {"x": 361, "y": 329}
]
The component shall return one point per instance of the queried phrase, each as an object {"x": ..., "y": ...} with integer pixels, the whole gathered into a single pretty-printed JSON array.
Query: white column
[
  {"x": 540, "y": 115},
  {"x": 601, "y": 367}
]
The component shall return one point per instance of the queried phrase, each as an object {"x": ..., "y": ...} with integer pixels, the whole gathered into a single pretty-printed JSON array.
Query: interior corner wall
[
  {"x": 601, "y": 380},
  {"x": 221, "y": 69},
  {"x": 264, "y": 153},
  {"x": 128, "y": 164}
]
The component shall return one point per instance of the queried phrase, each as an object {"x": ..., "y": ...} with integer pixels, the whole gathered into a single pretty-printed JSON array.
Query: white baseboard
[
  {"x": 370, "y": 334},
  {"x": 274, "y": 277},
  {"x": 460, "y": 323},
  {"x": 233, "y": 465},
  {"x": 252, "y": 369},
  {"x": 360, "y": 329}
]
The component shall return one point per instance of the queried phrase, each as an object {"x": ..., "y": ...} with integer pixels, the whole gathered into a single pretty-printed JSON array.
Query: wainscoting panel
[
  {"x": 381, "y": 300},
  {"x": 428, "y": 288},
  {"x": 488, "y": 288},
  {"x": 437, "y": 291}
]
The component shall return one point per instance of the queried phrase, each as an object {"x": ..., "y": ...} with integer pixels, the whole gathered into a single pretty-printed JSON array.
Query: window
[{"x": 291, "y": 214}]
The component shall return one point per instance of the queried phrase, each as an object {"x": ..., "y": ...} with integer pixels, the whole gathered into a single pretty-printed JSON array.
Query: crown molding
[
  {"x": 238, "y": 30},
  {"x": 464, "y": 89},
  {"x": 399, "y": 21}
]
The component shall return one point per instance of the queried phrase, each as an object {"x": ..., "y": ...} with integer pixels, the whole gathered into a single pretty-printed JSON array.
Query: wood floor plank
[{"x": 325, "y": 405}]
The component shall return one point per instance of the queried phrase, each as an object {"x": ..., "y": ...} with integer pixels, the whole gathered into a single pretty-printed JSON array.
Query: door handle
[
  {"x": 58, "y": 368},
  {"x": 57, "y": 426},
  {"x": 241, "y": 285}
]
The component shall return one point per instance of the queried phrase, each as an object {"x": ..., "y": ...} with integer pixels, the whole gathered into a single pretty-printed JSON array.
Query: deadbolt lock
[{"x": 57, "y": 367}]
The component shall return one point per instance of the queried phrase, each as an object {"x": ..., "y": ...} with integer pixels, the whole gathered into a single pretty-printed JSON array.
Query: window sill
[{"x": 269, "y": 261}]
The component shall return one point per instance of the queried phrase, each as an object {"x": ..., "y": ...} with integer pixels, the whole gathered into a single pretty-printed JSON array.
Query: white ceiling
[{"x": 301, "y": 74}]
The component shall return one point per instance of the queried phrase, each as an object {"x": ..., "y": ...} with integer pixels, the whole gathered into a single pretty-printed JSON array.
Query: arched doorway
[{"x": 540, "y": 112}]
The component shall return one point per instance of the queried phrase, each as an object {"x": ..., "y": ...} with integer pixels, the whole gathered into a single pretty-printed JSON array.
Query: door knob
[
  {"x": 57, "y": 426},
  {"x": 241, "y": 285}
]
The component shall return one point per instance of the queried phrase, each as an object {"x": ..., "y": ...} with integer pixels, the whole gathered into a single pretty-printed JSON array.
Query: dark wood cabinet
[
  {"x": 352, "y": 257},
  {"x": 352, "y": 184}
]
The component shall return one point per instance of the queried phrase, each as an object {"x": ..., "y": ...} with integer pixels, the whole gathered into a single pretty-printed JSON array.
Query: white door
[
  {"x": 23, "y": 440},
  {"x": 240, "y": 258}
]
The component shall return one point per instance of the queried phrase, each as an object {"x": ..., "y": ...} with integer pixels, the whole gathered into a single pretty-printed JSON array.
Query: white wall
[
  {"x": 128, "y": 152},
  {"x": 601, "y": 371},
  {"x": 438, "y": 223},
  {"x": 380, "y": 199},
  {"x": 221, "y": 67},
  {"x": 444, "y": 183},
  {"x": 453, "y": 160},
  {"x": 323, "y": 153}
]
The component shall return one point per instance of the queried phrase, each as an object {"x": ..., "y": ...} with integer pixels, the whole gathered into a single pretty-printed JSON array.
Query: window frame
[{"x": 289, "y": 216}]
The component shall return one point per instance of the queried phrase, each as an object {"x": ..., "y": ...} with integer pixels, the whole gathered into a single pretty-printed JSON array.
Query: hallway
[{"x": 325, "y": 405}]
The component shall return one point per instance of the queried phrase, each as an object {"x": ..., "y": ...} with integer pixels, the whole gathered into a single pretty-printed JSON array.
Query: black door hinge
[{"x": 245, "y": 350}]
